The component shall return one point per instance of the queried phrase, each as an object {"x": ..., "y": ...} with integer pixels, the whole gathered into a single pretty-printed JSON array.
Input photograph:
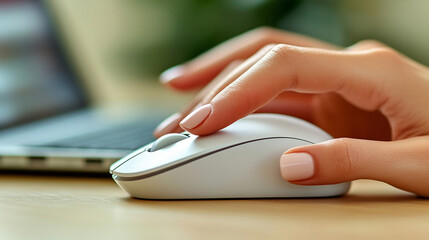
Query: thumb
[{"x": 403, "y": 164}]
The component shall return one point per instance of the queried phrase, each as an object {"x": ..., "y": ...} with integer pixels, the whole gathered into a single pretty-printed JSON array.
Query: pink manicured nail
[
  {"x": 196, "y": 117},
  {"x": 168, "y": 125},
  {"x": 296, "y": 166},
  {"x": 171, "y": 74}
]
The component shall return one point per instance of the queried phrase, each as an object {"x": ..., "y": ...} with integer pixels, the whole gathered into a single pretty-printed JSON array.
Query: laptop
[{"x": 46, "y": 123}]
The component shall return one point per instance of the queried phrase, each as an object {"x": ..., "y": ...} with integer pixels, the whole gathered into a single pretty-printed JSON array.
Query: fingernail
[
  {"x": 171, "y": 73},
  {"x": 196, "y": 117},
  {"x": 296, "y": 166},
  {"x": 168, "y": 125}
]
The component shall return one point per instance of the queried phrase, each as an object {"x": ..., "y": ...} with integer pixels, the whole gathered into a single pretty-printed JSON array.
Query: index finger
[
  {"x": 289, "y": 68},
  {"x": 201, "y": 70}
]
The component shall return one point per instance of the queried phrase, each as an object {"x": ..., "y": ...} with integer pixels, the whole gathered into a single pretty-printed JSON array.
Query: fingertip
[
  {"x": 196, "y": 118},
  {"x": 185, "y": 77},
  {"x": 172, "y": 74},
  {"x": 296, "y": 166}
]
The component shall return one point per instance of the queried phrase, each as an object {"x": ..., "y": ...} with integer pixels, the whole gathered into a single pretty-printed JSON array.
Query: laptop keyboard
[{"x": 127, "y": 137}]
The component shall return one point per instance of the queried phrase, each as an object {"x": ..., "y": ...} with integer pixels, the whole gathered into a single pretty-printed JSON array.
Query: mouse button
[
  {"x": 149, "y": 162},
  {"x": 244, "y": 131},
  {"x": 167, "y": 140},
  {"x": 286, "y": 126},
  {"x": 140, "y": 164},
  {"x": 128, "y": 157},
  {"x": 216, "y": 140}
]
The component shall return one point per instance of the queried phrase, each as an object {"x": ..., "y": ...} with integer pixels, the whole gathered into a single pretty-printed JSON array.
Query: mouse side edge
[{"x": 211, "y": 178}]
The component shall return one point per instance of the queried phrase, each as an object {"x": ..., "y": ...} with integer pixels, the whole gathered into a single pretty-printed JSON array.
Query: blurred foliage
[{"x": 163, "y": 33}]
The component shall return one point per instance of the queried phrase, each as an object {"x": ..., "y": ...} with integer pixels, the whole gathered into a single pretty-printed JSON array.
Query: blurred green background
[
  {"x": 164, "y": 33},
  {"x": 141, "y": 38},
  {"x": 121, "y": 46}
]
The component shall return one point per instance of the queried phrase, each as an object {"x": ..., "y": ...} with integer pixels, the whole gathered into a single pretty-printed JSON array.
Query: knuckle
[
  {"x": 370, "y": 43},
  {"x": 286, "y": 55},
  {"x": 387, "y": 54},
  {"x": 347, "y": 155},
  {"x": 281, "y": 51}
]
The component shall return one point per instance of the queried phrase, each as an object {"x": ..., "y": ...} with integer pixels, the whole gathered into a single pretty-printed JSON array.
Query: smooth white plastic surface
[
  {"x": 166, "y": 140},
  {"x": 240, "y": 161}
]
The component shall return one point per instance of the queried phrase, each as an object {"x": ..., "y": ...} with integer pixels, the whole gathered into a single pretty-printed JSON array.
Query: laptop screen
[{"x": 35, "y": 79}]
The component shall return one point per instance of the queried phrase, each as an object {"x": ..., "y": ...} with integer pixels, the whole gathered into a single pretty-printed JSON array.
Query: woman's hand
[
  {"x": 366, "y": 92},
  {"x": 212, "y": 68}
]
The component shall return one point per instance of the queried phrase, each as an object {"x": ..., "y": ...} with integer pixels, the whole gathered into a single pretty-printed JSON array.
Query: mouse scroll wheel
[{"x": 167, "y": 140}]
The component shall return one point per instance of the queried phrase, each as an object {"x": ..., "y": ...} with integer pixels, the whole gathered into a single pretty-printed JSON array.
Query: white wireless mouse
[{"x": 240, "y": 161}]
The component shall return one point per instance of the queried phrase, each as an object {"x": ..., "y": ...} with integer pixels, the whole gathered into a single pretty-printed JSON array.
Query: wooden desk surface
[{"x": 49, "y": 207}]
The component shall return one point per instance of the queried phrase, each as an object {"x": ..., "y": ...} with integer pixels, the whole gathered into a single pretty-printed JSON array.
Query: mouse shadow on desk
[
  {"x": 348, "y": 198},
  {"x": 359, "y": 194},
  {"x": 365, "y": 206},
  {"x": 379, "y": 198}
]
